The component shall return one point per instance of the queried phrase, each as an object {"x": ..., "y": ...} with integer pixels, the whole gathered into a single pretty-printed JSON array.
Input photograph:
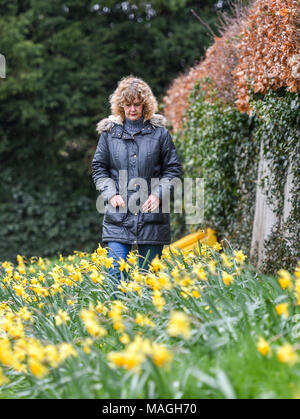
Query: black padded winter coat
[{"x": 147, "y": 154}]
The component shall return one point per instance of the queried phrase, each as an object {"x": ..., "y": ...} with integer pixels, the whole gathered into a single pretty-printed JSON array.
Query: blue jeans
[{"x": 118, "y": 250}]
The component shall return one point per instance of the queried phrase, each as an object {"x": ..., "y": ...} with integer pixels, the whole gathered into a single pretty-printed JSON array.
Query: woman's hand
[
  {"x": 151, "y": 204},
  {"x": 117, "y": 201}
]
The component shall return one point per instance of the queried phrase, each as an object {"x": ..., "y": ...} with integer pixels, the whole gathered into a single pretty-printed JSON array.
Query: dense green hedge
[
  {"x": 47, "y": 213},
  {"x": 222, "y": 145}
]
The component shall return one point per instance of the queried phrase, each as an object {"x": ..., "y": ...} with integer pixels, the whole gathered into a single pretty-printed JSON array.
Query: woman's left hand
[{"x": 151, "y": 204}]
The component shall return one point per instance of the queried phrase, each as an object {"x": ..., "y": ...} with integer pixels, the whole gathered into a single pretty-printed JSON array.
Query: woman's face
[{"x": 133, "y": 110}]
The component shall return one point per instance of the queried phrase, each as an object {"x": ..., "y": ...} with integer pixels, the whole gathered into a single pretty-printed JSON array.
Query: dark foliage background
[{"x": 63, "y": 59}]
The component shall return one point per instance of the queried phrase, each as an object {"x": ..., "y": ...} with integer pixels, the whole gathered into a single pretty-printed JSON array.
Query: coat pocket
[
  {"x": 113, "y": 216},
  {"x": 152, "y": 217}
]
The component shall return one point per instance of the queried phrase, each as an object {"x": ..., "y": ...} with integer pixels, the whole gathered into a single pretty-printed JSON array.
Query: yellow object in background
[{"x": 190, "y": 242}]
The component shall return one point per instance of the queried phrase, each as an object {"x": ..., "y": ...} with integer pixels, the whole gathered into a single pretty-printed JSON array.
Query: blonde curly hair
[{"x": 131, "y": 88}]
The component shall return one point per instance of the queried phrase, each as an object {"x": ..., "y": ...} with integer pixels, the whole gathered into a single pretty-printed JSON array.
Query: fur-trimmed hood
[{"x": 157, "y": 120}]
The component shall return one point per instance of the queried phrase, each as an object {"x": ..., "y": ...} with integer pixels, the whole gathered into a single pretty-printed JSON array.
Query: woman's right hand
[{"x": 117, "y": 201}]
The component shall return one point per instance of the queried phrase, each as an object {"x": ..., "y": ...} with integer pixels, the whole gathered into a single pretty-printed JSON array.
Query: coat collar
[{"x": 115, "y": 124}]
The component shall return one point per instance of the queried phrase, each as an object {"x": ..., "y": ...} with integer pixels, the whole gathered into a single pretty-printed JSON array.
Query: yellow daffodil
[
  {"x": 285, "y": 279},
  {"x": 225, "y": 260},
  {"x": 156, "y": 264},
  {"x": 297, "y": 270},
  {"x": 101, "y": 251},
  {"x": 179, "y": 325},
  {"x": 86, "y": 344},
  {"x": 61, "y": 318},
  {"x": 227, "y": 278},
  {"x": 124, "y": 338},
  {"x": 263, "y": 347},
  {"x": 92, "y": 326},
  {"x": 3, "y": 378},
  {"x": 24, "y": 313},
  {"x": 66, "y": 350},
  {"x": 142, "y": 320},
  {"x": 158, "y": 300},
  {"x": 282, "y": 309},
  {"x": 101, "y": 308},
  {"x": 200, "y": 272},
  {"x": 37, "y": 368},
  {"x": 239, "y": 256},
  {"x": 52, "y": 355},
  {"x": 161, "y": 355},
  {"x": 132, "y": 258},
  {"x": 196, "y": 293},
  {"x": 286, "y": 354},
  {"x": 212, "y": 266},
  {"x": 109, "y": 263},
  {"x": 164, "y": 281}
]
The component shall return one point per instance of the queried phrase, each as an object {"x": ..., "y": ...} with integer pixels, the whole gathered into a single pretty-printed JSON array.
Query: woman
[{"x": 135, "y": 144}]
